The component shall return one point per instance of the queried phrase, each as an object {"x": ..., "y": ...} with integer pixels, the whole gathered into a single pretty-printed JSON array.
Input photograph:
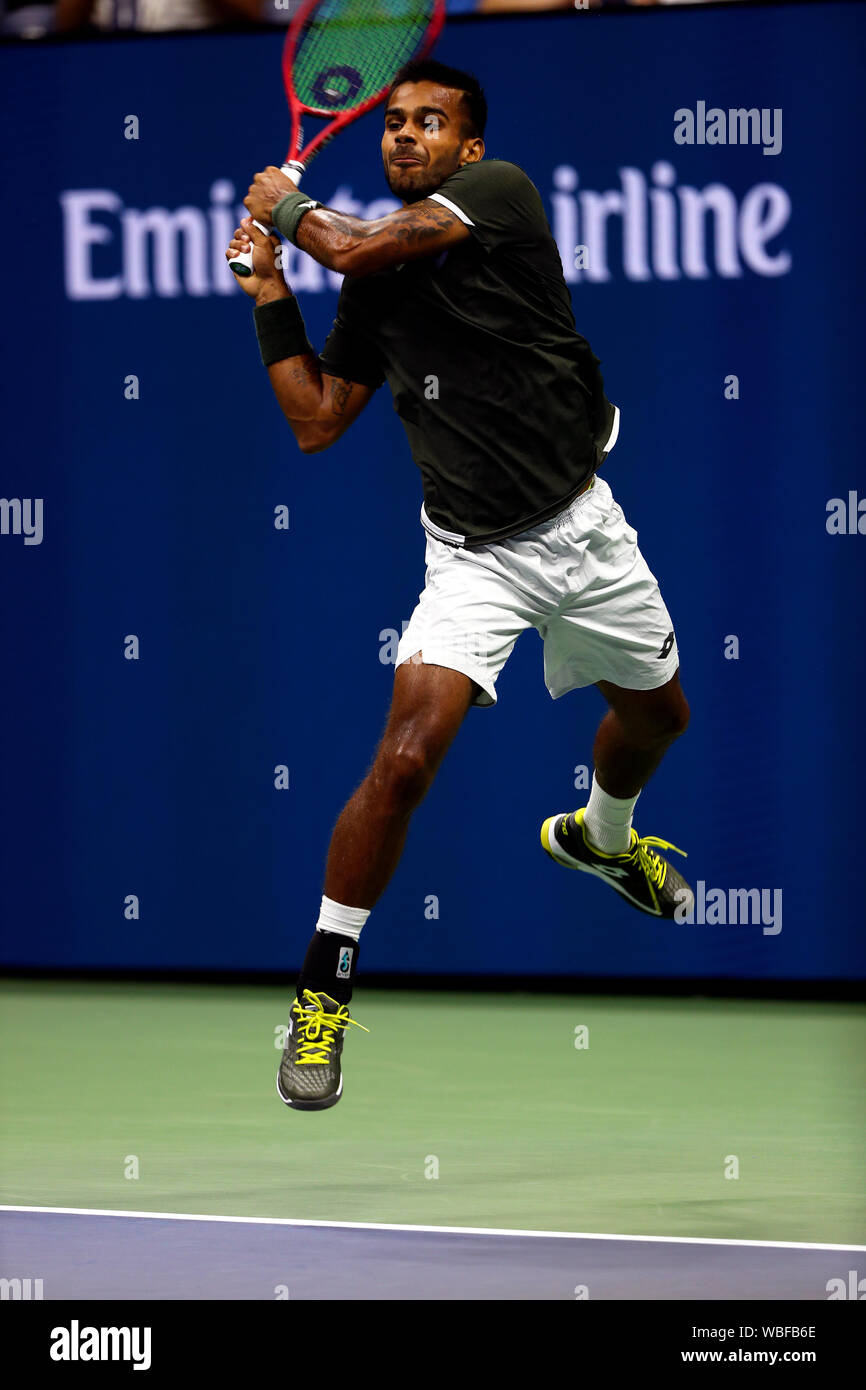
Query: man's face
[{"x": 425, "y": 139}]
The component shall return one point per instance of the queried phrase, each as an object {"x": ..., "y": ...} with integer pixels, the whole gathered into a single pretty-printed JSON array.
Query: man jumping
[{"x": 463, "y": 286}]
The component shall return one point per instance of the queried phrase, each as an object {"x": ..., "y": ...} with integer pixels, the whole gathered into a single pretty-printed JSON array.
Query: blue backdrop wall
[{"x": 148, "y": 785}]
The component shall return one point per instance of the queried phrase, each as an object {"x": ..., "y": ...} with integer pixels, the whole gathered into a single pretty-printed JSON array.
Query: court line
[{"x": 429, "y": 1230}]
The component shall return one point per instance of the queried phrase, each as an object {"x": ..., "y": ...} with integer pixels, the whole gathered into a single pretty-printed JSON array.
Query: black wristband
[
  {"x": 288, "y": 212},
  {"x": 280, "y": 330}
]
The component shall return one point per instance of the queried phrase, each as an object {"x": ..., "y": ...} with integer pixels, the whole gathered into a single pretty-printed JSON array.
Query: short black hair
[{"x": 428, "y": 70}]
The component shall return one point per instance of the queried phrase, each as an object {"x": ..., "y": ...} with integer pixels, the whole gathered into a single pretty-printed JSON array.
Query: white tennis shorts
[{"x": 578, "y": 579}]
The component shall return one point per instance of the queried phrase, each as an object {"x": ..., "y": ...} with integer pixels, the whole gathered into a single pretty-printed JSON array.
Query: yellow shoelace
[
  {"x": 652, "y": 864},
  {"x": 318, "y": 1029}
]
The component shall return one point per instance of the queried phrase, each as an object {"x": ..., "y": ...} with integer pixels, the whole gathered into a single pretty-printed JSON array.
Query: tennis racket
[{"x": 339, "y": 60}]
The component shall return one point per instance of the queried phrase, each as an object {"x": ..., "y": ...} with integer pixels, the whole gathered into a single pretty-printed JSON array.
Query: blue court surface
[{"x": 115, "y": 1255}]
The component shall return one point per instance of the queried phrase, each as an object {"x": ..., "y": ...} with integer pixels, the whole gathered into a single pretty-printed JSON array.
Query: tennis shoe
[
  {"x": 640, "y": 875},
  {"x": 310, "y": 1075}
]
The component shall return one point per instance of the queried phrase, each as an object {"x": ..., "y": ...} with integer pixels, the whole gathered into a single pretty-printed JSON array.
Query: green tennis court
[{"x": 632, "y": 1134}]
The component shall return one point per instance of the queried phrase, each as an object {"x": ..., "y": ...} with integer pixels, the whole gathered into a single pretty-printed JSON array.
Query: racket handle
[{"x": 243, "y": 262}]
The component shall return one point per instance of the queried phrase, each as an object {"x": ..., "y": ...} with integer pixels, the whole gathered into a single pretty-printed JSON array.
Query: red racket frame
[
  {"x": 300, "y": 157},
  {"x": 297, "y": 160}
]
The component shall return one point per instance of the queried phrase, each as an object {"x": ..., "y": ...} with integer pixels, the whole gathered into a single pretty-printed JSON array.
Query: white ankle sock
[
  {"x": 346, "y": 921},
  {"x": 607, "y": 820}
]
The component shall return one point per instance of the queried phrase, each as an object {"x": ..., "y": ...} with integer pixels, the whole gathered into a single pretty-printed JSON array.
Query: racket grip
[{"x": 243, "y": 262}]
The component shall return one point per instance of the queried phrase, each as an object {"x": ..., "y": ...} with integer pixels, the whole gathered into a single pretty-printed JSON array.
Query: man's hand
[
  {"x": 266, "y": 282},
  {"x": 266, "y": 190}
]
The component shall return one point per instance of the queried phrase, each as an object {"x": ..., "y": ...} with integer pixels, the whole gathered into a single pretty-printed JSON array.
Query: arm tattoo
[
  {"x": 340, "y": 393},
  {"x": 327, "y": 235},
  {"x": 305, "y": 371},
  {"x": 323, "y": 233},
  {"x": 420, "y": 224},
  {"x": 297, "y": 383}
]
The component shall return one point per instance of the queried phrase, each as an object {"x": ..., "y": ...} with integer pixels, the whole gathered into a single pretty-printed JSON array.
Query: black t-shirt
[{"x": 502, "y": 400}]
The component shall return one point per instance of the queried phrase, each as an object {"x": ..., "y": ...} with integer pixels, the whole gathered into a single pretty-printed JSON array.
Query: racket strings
[{"x": 348, "y": 50}]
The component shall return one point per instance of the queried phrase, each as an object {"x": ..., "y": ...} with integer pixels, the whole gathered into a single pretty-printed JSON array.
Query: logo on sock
[{"x": 344, "y": 969}]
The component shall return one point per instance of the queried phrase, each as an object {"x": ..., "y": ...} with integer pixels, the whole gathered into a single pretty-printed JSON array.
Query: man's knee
[
  {"x": 427, "y": 708},
  {"x": 670, "y": 719},
  {"x": 404, "y": 769},
  {"x": 658, "y": 721}
]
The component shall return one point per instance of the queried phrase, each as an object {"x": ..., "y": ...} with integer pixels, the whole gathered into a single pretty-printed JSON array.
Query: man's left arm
[{"x": 349, "y": 245}]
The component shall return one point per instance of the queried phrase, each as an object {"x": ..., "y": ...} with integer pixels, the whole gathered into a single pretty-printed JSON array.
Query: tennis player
[{"x": 458, "y": 301}]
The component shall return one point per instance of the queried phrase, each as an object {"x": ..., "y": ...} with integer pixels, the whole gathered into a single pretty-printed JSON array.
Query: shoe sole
[
  {"x": 547, "y": 836},
  {"x": 311, "y": 1104}
]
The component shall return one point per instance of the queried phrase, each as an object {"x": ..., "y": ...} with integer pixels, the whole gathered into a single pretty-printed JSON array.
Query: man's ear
[{"x": 473, "y": 150}]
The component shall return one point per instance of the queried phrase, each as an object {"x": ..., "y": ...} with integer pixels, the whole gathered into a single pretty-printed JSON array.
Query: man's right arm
[{"x": 319, "y": 407}]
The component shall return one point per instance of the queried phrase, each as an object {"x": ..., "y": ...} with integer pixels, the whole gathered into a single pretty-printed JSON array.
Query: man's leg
[
  {"x": 428, "y": 706},
  {"x": 636, "y": 731},
  {"x": 631, "y": 741},
  {"x": 635, "y": 734}
]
